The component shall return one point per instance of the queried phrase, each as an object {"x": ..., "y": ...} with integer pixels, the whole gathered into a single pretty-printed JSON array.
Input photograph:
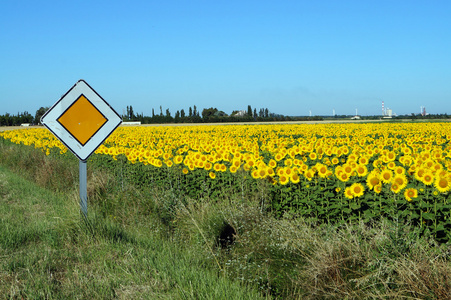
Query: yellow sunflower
[
  {"x": 284, "y": 179},
  {"x": 178, "y": 159},
  {"x": 442, "y": 183},
  {"x": 378, "y": 188},
  {"x": 428, "y": 177},
  {"x": 395, "y": 188},
  {"x": 272, "y": 163},
  {"x": 400, "y": 180},
  {"x": 372, "y": 180},
  {"x": 348, "y": 193},
  {"x": 391, "y": 165},
  {"x": 309, "y": 174},
  {"x": 419, "y": 173},
  {"x": 348, "y": 169},
  {"x": 386, "y": 176},
  {"x": 361, "y": 170},
  {"x": 410, "y": 193},
  {"x": 294, "y": 178},
  {"x": 363, "y": 160},
  {"x": 399, "y": 170},
  {"x": 322, "y": 170},
  {"x": 357, "y": 189},
  {"x": 255, "y": 174},
  {"x": 288, "y": 171},
  {"x": 270, "y": 172},
  {"x": 262, "y": 173},
  {"x": 233, "y": 169},
  {"x": 344, "y": 177}
]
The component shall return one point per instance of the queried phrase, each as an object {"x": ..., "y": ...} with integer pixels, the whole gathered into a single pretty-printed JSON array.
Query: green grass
[{"x": 47, "y": 251}]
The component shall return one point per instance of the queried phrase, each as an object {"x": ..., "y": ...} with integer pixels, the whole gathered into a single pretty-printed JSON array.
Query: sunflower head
[
  {"x": 410, "y": 194},
  {"x": 361, "y": 170},
  {"x": 294, "y": 178},
  {"x": 372, "y": 180},
  {"x": 386, "y": 176},
  {"x": 348, "y": 193},
  {"x": 284, "y": 179},
  {"x": 357, "y": 189},
  {"x": 378, "y": 188},
  {"x": 443, "y": 184},
  {"x": 428, "y": 178}
]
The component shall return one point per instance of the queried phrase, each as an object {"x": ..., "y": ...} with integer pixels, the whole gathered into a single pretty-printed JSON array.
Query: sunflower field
[{"x": 331, "y": 173}]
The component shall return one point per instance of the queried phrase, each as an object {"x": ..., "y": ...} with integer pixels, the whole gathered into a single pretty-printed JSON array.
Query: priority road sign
[{"x": 81, "y": 120}]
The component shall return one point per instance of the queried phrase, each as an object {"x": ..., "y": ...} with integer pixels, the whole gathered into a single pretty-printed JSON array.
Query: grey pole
[{"x": 83, "y": 188}]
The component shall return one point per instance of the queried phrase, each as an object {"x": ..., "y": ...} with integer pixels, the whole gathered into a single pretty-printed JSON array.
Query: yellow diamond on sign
[{"x": 82, "y": 120}]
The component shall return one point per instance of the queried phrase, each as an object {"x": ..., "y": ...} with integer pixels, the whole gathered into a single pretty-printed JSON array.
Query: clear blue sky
[{"x": 291, "y": 57}]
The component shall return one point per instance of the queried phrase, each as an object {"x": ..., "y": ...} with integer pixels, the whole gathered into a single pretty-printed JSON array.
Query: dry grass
[{"x": 291, "y": 259}]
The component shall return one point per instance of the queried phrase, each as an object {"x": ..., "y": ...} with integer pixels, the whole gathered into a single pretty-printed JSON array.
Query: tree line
[
  {"x": 16, "y": 120},
  {"x": 207, "y": 115},
  {"x": 193, "y": 115}
]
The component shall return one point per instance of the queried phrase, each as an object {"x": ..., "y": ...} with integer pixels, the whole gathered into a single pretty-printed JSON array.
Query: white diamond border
[{"x": 49, "y": 119}]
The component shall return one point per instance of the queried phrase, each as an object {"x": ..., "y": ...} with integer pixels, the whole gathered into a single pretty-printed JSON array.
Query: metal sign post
[
  {"x": 83, "y": 188},
  {"x": 82, "y": 121}
]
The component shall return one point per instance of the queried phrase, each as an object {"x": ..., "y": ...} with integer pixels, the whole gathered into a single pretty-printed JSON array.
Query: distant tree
[
  {"x": 153, "y": 113},
  {"x": 39, "y": 113},
  {"x": 255, "y": 113},
  {"x": 195, "y": 113},
  {"x": 208, "y": 112},
  {"x": 132, "y": 114},
  {"x": 161, "y": 111},
  {"x": 182, "y": 113},
  {"x": 168, "y": 114},
  {"x": 249, "y": 111},
  {"x": 190, "y": 112},
  {"x": 7, "y": 120},
  {"x": 25, "y": 117},
  {"x": 266, "y": 113}
]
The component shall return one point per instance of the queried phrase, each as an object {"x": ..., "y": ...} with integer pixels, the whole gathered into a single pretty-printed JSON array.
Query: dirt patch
[{"x": 4, "y": 128}]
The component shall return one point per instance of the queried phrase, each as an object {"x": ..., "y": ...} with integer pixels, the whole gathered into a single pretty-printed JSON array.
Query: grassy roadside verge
[{"x": 48, "y": 252}]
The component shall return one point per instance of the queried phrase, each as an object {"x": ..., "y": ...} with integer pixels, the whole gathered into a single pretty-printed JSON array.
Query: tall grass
[
  {"x": 47, "y": 251},
  {"x": 236, "y": 239}
]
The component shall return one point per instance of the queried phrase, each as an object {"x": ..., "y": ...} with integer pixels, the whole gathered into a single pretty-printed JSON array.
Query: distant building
[
  {"x": 423, "y": 111},
  {"x": 220, "y": 113},
  {"x": 241, "y": 113},
  {"x": 389, "y": 113}
]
